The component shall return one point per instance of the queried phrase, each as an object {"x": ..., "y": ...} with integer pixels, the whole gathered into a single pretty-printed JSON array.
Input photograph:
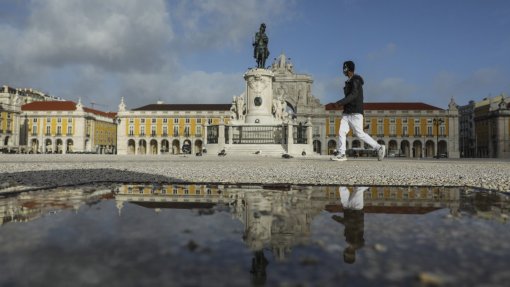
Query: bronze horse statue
[{"x": 260, "y": 51}]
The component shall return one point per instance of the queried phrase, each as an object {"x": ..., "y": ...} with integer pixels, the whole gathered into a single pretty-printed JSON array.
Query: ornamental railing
[
  {"x": 257, "y": 134},
  {"x": 299, "y": 134},
  {"x": 213, "y": 134}
]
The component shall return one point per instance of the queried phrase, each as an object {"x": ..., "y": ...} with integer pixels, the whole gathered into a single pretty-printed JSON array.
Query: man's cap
[{"x": 348, "y": 66}]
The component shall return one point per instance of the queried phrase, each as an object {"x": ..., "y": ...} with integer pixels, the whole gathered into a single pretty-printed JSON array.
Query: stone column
[
  {"x": 290, "y": 137},
  {"x": 221, "y": 134},
  {"x": 259, "y": 97},
  {"x": 230, "y": 135},
  {"x": 204, "y": 128},
  {"x": 309, "y": 132}
]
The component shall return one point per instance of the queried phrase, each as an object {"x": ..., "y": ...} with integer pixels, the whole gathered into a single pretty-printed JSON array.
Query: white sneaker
[
  {"x": 381, "y": 152},
  {"x": 340, "y": 157}
]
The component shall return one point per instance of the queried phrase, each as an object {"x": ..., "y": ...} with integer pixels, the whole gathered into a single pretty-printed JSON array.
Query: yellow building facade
[
  {"x": 167, "y": 128},
  {"x": 67, "y": 127},
  {"x": 415, "y": 130}
]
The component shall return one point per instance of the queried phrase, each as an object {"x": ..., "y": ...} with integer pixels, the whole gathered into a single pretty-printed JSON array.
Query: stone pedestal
[{"x": 259, "y": 97}]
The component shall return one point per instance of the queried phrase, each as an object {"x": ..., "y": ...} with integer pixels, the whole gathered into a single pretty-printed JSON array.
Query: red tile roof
[
  {"x": 389, "y": 106},
  {"x": 185, "y": 107},
  {"x": 62, "y": 106}
]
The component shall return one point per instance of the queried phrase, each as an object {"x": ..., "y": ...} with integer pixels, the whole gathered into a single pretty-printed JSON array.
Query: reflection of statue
[
  {"x": 260, "y": 49},
  {"x": 353, "y": 221}
]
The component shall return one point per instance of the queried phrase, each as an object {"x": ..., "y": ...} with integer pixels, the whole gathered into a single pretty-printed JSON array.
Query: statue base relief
[{"x": 259, "y": 97}]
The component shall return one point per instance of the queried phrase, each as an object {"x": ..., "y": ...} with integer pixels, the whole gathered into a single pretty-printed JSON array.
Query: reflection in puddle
[{"x": 382, "y": 235}]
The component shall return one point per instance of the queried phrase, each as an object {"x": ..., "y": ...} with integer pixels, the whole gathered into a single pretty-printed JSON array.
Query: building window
[
  {"x": 380, "y": 127},
  {"x": 59, "y": 130},
  {"x": 199, "y": 131},
  {"x": 165, "y": 131},
  {"x": 392, "y": 121},
  {"x": 153, "y": 120},
  {"x": 187, "y": 120},
  {"x": 69, "y": 120},
  {"x": 417, "y": 130},
  {"x": 404, "y": 121},
  {"x": 153, "y": 131},
  {"x": 186, "y": 131},
  {"x": 209, "y": 121},
  {"x": 176, "y": 121},
  {"x": 405, "y": 131},
  {"x": 393, "y": 130},
  {"x": 142, "y": 121},
  {"x": 69, "y": 130},
  {"x": 48, "y": 130},
  {"x": 34, "y": 130},
  {"x": 131, "y": 121},
  {"x": 186, "y": 191},
  {"x": 48, "y": 120},
  {"x": 131, "y": 130},
  {"x": 174, "y": 190},
  {"x": 165, "y": 120},
  {"x": 35, "y": 120},
  {"x": 429, "y": 130},
  {"x": 442, "y": 130},
  {"x": 59, "y": 120},
  {"x": 176, "y": 131},
  {"x": 142, "y": 130}
]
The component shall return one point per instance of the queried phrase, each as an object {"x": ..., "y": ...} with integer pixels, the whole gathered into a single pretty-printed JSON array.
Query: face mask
[{"x": 345, "y": 71}]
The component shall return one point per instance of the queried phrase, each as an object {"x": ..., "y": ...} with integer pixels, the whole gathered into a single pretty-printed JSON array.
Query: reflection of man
[
  {"x": 258, "y": 268},
  {"x": 353, "y": 220}
]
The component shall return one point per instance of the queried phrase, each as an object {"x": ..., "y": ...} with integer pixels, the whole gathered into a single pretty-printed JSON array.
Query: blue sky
[{"x": 183, "y": 51}]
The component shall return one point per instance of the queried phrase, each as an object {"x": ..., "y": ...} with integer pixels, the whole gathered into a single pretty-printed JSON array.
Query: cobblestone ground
[{"x": 24, "y": 172}]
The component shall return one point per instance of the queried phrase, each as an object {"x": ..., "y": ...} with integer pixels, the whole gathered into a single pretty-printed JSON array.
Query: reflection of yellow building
[
  {"x": 30, "y": 206},
  {"x": 66, "y": 126},
  {"x": 280, "y": 217}
]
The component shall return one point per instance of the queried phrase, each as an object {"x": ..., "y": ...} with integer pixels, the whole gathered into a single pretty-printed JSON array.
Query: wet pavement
[{"x": 252, "y": 235}]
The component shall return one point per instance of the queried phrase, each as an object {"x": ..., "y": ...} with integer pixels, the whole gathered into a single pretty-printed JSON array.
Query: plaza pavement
[{"x": 27, "y": 172}]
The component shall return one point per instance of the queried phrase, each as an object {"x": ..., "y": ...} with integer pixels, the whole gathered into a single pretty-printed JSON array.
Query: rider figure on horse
[{"x": 260, "y": 51}]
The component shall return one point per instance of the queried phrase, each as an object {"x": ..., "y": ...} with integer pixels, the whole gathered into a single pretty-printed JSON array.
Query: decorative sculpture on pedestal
[{"x": 238, "y": 108}]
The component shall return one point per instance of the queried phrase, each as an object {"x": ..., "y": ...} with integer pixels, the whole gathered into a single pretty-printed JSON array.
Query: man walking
[{"x": 352, "y": 117}]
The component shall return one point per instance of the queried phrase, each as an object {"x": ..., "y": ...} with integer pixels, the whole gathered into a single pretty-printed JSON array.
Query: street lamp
[{"x": 437, "y": 122}]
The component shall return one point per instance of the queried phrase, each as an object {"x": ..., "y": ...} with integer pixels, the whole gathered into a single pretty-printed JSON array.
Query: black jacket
[{"x": 353, "y": 91}]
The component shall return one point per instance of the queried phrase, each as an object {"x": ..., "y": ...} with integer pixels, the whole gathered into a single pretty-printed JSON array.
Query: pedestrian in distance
[{"x": 352, "y": 117}]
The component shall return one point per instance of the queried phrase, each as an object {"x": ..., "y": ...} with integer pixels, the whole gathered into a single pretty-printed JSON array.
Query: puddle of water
[{"x": 220, "y": 235}]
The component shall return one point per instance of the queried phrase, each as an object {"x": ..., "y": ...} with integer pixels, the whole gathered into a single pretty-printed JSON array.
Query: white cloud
[
  {"x": 194, "y": 87},
  {"x": 102, "y": 50},
  {"x": 390, "y": 89},
  {"x": 114, "y": 35},
  {"x": 472, "y": 86},
  {"x": 222, "y": 23},
  {"x": 384, "y": 52}
]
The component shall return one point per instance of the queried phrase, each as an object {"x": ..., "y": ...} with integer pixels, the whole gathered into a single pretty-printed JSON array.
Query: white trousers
[{"x": 354, "y": 122}]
